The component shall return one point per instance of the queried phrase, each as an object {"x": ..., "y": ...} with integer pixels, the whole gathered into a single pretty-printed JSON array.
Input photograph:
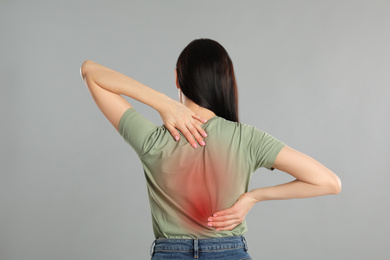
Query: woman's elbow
[
  {"x": 334, "y": 186},
  {"x": 85, "y": 67}
]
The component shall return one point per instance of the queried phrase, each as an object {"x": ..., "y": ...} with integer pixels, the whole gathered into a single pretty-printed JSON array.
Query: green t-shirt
[{"x": 187, "y": 185}]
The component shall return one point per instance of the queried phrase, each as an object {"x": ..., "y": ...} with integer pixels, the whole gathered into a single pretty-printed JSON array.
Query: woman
[{"x": 199, "y": 195}]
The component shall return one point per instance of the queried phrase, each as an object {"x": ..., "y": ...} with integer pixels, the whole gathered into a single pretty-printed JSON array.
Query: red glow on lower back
[
  {"x": 198, "y": 196},
  {"x": 198, "y": 186},
  {"x": 200, "y": 209}
]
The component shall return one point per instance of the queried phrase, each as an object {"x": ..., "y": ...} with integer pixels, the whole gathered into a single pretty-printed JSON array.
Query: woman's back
[{"x": 187, "y": 185}]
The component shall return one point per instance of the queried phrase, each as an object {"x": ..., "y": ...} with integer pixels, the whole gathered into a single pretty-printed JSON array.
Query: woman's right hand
[{"x": 177, "y": 116}]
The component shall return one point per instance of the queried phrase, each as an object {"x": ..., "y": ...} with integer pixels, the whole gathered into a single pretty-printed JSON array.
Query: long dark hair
[{"x": 206, "y": 76}]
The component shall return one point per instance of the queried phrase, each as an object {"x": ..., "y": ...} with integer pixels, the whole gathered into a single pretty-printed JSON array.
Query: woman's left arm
[
  {"x": 312, "y": 179},
  {"x": 106, "y": 87}
]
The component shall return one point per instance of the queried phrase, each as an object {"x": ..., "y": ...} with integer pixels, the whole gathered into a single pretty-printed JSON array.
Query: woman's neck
[{"x": 201, "y": 111}]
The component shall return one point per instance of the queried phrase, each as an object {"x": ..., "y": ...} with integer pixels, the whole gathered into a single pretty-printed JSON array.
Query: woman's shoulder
[{"x": 224, "y": 124}]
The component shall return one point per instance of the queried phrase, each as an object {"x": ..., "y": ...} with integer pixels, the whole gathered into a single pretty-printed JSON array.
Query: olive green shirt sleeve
[
  {"x": 263, "y": 148},
  {"x": 137, "y": 131}
]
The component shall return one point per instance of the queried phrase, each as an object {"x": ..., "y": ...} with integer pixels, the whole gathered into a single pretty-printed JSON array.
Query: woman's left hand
[
  {"x": 177, "y": 116},
  {"x": 229, "y": 218}
]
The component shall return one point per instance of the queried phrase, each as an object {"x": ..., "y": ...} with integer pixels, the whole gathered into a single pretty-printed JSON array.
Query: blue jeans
[{"x": 226, "y": 248}]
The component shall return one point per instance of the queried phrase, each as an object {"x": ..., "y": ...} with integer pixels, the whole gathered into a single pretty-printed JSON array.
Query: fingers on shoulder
[
  {"x": 175, "y": 134},
  {"x": 199, "y": 118}
]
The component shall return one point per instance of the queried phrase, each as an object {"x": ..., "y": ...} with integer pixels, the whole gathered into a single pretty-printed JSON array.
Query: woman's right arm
[
  {"x": 106, "y": 87},
  {"x": 312, "y": 179}
]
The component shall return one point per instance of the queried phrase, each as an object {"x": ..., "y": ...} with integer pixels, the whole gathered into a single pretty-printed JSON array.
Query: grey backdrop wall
[{"x": 315, "y": 74}]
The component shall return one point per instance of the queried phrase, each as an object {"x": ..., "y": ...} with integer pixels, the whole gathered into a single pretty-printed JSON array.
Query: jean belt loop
[
  {"x": 196, "y": 248},
  {"x": 152, "y": 248},
  {"x": 245, "y": 244}
]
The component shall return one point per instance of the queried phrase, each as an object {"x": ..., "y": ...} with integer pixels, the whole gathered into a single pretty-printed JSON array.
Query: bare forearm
[
  {"x": 107, "y": 86},
  {"x": 292, "y": 190},
  {"x": 231, "y": 217},
  {"x": 119, "y": 83},
  {"x": 312, "y": 179}
]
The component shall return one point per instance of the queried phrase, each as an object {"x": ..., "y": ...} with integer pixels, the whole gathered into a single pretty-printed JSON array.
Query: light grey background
[{"x": 315, "y": 74}]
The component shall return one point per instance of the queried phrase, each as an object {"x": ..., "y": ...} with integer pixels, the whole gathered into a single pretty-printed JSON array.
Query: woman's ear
[{"x": 177, "y": 82}]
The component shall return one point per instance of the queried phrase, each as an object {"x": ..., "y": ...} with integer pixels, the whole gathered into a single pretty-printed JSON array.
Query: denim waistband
[{"x": 198, "y": 244}]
